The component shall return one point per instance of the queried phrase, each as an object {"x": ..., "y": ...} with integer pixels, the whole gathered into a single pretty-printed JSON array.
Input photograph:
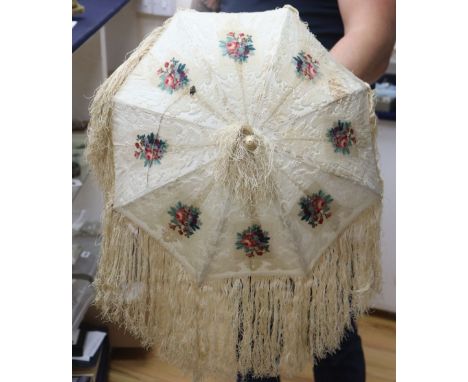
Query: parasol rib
[
  {"x": 329, "y": 169},
  {"x": 273, "y": 65},
  {"x": 169, "y": 183},
  {"x": 317, "y": 108},
  {"x": 359, "y": 144},
  {"x": 206, "y": 65},
  {"x": 218, "y": 233},
  {"x": 281, "y": 103},
  {"x": 293, "y": 237},
  {"x": 201, "y": 101},
  {"x": 240, "y": 73},
  {"x": 184, "y": 122}
]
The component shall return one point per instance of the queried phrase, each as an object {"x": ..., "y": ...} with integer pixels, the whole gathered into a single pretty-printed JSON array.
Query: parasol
[{"x": 243, "y": 196}]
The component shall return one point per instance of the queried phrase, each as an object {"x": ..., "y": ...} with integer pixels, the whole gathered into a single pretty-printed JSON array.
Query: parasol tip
[
  {"x": 250, "y": 142},
  {"x": 246, "y": 130}
]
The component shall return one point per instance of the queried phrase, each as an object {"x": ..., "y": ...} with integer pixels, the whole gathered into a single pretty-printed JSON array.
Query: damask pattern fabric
[
  {"x": 260, "y": 77},
  {"x": 233, "y": 151}
]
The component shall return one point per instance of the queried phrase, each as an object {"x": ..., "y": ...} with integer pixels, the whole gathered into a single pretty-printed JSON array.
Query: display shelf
[
  {"x": 86, "y": 262},
  {"x": 86, "y": 251},
  {"x": 97, "y": 13},
  {"x": 82, "y": 297}
]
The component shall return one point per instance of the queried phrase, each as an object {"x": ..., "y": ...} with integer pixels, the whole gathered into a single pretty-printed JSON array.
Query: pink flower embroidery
[
  {"x": 310, "y": 71},
  {"x": 169, "y": 81},
  {"x": 342, "y": 137},
  {"x": 238, "y": 47},
  {"x": 232, "y": 47},
  {"x": 150, "y": 148},
  {"x": 306, "y": 66},
  {"x": 173, "y": 76}
]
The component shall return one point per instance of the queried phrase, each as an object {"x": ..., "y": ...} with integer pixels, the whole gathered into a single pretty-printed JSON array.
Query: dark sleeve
[{"x": 205, "y": 5}]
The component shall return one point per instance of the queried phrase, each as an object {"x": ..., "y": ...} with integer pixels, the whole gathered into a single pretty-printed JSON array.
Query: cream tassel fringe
[
  {"x": 99, "y": 152},
  {"x": 275, "y": 323},
  {"x": 247, "y": 174},
  {"x": 260, "y": 324}
]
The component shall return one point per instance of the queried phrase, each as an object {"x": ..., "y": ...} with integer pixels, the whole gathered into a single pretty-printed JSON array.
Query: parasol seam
[{"x": 262, "y": 94}]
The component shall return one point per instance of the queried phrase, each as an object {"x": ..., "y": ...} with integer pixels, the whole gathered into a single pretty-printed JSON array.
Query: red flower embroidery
[
  {"x": 184, "y": 218},
  {"x": 342, "y": 137},
  {"x": 232, "y": 47},
  {"x": 173, "y": 76},
  {"x": 238, "y": 47},
  {"x": 253, "y": 240},
  {"x": 150, "y": 148},
  {"x": 315, "y": 208},
  {"x": 306, "y": 66}
]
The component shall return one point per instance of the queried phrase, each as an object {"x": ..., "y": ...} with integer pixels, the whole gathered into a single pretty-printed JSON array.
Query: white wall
[
  {"x": 128, "y": 27},
  {"x": 386, "y": 144},
  {"x": 122, "y": 35}
]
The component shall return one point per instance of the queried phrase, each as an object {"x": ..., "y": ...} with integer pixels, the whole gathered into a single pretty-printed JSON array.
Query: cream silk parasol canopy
[{"x": 234, "y": 151}]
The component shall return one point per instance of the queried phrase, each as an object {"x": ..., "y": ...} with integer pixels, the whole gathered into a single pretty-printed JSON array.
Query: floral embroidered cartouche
[
  {"x": 150, "y": 148},
  {"x": 253, "y": 240},
  {"x": 185, "y": 219},
  {"x": 237, "y": 46},
  {"x": 342, "y": 137},
  {"x": 173, "y": 76},
  {"x": 315, "y": 208},
  {"x": 306, "y": 66}
]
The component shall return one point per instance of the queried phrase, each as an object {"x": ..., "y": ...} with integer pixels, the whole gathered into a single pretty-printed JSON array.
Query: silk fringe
[{"x": 265, "y": 325}]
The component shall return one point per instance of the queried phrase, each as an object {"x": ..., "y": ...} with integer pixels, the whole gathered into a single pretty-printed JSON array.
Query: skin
[{"x": 369, "y": 37}]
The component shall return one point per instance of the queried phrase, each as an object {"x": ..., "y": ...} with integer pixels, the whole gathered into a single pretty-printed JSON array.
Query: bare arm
[{"x": 369, "y": 37}]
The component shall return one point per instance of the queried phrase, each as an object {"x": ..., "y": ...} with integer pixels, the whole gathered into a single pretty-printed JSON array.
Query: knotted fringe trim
[
  {"x": 258, "y": 324},
  {"x": 99, "y": 151},
  {"x": 249, "y": 176},
  {"x": 265, "y": 325}
]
